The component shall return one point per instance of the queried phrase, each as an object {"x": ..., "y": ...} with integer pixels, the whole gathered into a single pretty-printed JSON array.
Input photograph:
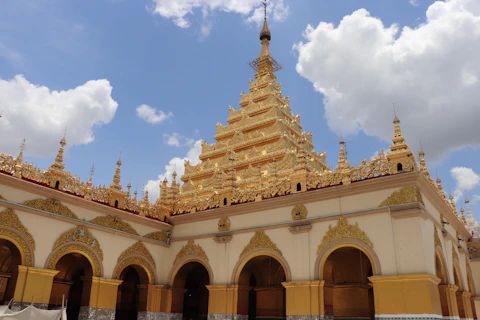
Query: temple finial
[
  {"x": 265, "y": 32},
  {"x": 58, "y": 164},
  {"x": 116, "y": 177},
  {"x": 401, "y": 157}
]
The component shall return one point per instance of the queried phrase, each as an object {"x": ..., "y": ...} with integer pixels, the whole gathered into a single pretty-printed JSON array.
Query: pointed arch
[
  {"x": 138, "y": 255},
  {"x": 12, "y": 229}
]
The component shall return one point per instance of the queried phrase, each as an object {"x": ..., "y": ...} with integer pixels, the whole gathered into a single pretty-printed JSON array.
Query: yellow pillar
[
  {"x": 225, "y": 299},
  {"x": 452, "y": 300},
  {"x": 34, "y": 285},
  {"x": 476, "y": 302},
  {"x": 304, "y": 298},
  {"x": 406, "y": 294},
  {"x": 99, "y": 293},
  {"x": 467, "y": 305}
]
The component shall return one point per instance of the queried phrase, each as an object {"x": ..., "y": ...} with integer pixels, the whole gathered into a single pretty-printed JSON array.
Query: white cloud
[
  {"x": 152, "y": 115},
  {"x": 40, "y": 115},
  {"x": 414, "y": 3},
  {"x": 175, "y": 164},
  {"x": 430, "y": 72},
  {"x": 466, "y": 179},
  {"x": 177, "y": 140},
  {"x": 179, "y": 10}
]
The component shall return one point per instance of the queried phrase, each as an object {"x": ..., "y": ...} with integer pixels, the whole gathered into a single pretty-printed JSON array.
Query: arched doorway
[
  {"x": 459, "y": 293},
  {"x": 69, "y": 282},
  {"x": 132, "y": 293},
  {"x": 189, "y": 291},
  {"x": 10, "y": 259},
  {"x": 443, "y": 285},
  {"x": 347, "y": 290},
  {"x": 261, "y": 294}
]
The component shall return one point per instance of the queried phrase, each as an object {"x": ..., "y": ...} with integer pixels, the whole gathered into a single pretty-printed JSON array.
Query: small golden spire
[
  {"x": 116, "y": 177},
  {"x": 342, "y": 157},
  {"x": 463, "y": 216},
  {"x": 18, "y": 162},
  {"x": 265, "y": 35},
  {"x": 58, "y": 164}
]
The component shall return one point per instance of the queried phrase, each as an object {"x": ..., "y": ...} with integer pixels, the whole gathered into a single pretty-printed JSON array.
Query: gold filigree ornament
[
  {"x": 343, "y": 230},
  {"x": 224, "y": 224},
  {"x": 191, "y": 249},
  {"x": 52, "y": 206},
  {"x": 8, "y": 218},
  {"x": 25, "y": 250},
  {"x": 158, "y": 235},
  {"x": 407, "y": 194},
  {"x": 260, "y": 241},
  {"x": 138, "y": 255},
  {"x": 299, "y": 212},
  {"x": 78, "y": 247},
  {"x": 82, "y": 235},
  {"x": 114, "y": 223}
]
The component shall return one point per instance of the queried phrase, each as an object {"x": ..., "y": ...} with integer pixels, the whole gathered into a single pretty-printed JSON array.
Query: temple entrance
[
  {"x": 189, "y": 292},
  {"x": 442, "y": 286},
  {"x": 347, "y": 290},
  {"x": 261, "y": 294},
  {"x": 10, "y": 259},
  {"x": 132, "y": 293},
  {"x": 69, "y": 282}
]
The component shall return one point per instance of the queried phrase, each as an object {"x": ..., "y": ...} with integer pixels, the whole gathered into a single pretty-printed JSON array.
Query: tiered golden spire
[
  {"x": 18, "y": 162},
  {"x": 116, "y": 177},
  {"x": 58, "y": 164},
  {"x": 401, "y": 157}
]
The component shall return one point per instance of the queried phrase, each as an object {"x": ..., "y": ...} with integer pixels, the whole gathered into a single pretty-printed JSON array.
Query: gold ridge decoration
[
  {"x": 343, "y": 230},
  {"x": 137, "y": 249},
  {"x": 79, "y": 234},
  {"x": 191, "y": 249},
  {"x": 9, "y": 218},
  {"x": 299, "y": 212},
  {"x": 134, "y": 260},
  {"x": 76, "y": 247},
  {"x": 407, "y": 194},
  {"x": 27, "y": 253},
  {"x": 260, "y": 241},
  {"x": 224, "y": 224},
  {"x": 52, "y": 206},
  {"x": 158, "y": 235},
  {"x": 114, "y": 223},
  {"x": 436, "y": 239}
]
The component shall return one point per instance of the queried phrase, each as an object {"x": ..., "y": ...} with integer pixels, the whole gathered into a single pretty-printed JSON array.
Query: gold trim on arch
[
  {"x": 79, "y": 234},
  {"x": 260, "y": 240},
  {"x": 185, "y": 260},
  {"x": 75, "y": 247},
  {"x": 138, "y": 255},
  {"x": 26, "y": 251},
  {"x": 191, "y": 249}
]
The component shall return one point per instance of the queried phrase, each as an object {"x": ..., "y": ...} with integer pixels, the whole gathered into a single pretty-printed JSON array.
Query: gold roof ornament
[
  {"x": 463, "y": 216},
  {"x": 18, "y": 161},
  {"x": 423, "y": 166},
  {"x": 401, "y": 157},
  {"x": 116, "y": 177},
  {"x": 55, "y": 176}
]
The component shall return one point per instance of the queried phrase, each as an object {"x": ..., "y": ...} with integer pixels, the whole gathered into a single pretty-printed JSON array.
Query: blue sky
[{"x": 149, "y": 56}]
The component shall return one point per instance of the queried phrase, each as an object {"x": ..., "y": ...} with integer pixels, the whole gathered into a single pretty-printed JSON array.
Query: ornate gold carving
[
  {"x": 79, "y": 234},
  {"x": 224, "y": 224},
  {"x": 9, "y": 218},
  {"x": 260, "y": 241},
  {"x": 52, "y": 206},
  {"x": 436, "y": 239},
  {"x": 12, "y": 235},
  {"x": 343, "y": 230},
  {"x": 134, "y": 260},
  {"x": 191, "y": 249},
  {"x": 299, "y": 212},
  {"x": 408, "y": 194},
  {"x": 114, "y": 223},
  {"x": 75, "y": 247},
  {"x": 158, "y": 235},
  {"x": 137, "y": 249}
]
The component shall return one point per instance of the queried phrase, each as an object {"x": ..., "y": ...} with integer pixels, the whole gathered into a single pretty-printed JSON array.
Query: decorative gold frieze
[
  {"x": 134, "y": 260},
  {"x": 299, "y": 212},
  {"x": 11, "y": 235},
  {"x": 79, "y": 234},
  {"x": 137, "y": 249},
  {"x": 9, "y": 218},
  {"x": 158, "y": 235},
  {"x": 260, "y": 241},
  {"x": 52, "y": 206},
  {"x": 407, "y": 194},
  {"x": 114, "y": 223},
  {"x": 76, "y": 247},
  {"x": 343, "y": 230},
  {"x": 224, "y": 224},
  {"x": 191, "y": 249},
  {"x": 436, "y": 239}
]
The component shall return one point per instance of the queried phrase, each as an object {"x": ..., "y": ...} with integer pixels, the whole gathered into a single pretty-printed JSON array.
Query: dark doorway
[
  {"x": 128, "y": 298},
  {"x": 10, "y": 259}
]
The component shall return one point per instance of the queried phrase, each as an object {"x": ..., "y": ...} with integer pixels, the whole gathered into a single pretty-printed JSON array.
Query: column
[
  {"x": 408, "y": 294},
  {"x": 467, "y": 305},
  {"x": 305, "y": 299},
  {"x": 153, "y": 302},
  {"x": 476, "y": 301},
  {"x": 269, "y": 302},
  {"x": 33, "y": 285},
  {"x": 452, "y": 300},
  {"x": 227, "y": 302},
  {"x": 474, "y": 311},
  {"x": 99, "y": 298},
  {"x": 177, "y": 303}
]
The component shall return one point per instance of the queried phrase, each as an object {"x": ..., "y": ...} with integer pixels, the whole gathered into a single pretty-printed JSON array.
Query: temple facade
[{"x": 260, "y": 228}]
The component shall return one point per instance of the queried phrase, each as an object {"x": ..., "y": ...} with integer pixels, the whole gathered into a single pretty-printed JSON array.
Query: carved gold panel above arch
[
  {"x": 260, "y": 241},
  {"x": 8, "y": 218},
  {"x": 26, "y": 250},
  {"x": 158, "y": 235},
  {"x": 407, "y": 194},
  {"x": 51, "y": 205},
  {"x": 191, "y": 249},
  {"x": 76, "y": 247},
  {"x": 114, "y": 223},
  {"x": 82, "y": 235},
  {"x": 299, "y": 212},
  {"x": 138, "y": 255},
  {"x": 343, "y": 230},
  {"x": 436, "y": 239},
  {"x": 224, "y": 224}
]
